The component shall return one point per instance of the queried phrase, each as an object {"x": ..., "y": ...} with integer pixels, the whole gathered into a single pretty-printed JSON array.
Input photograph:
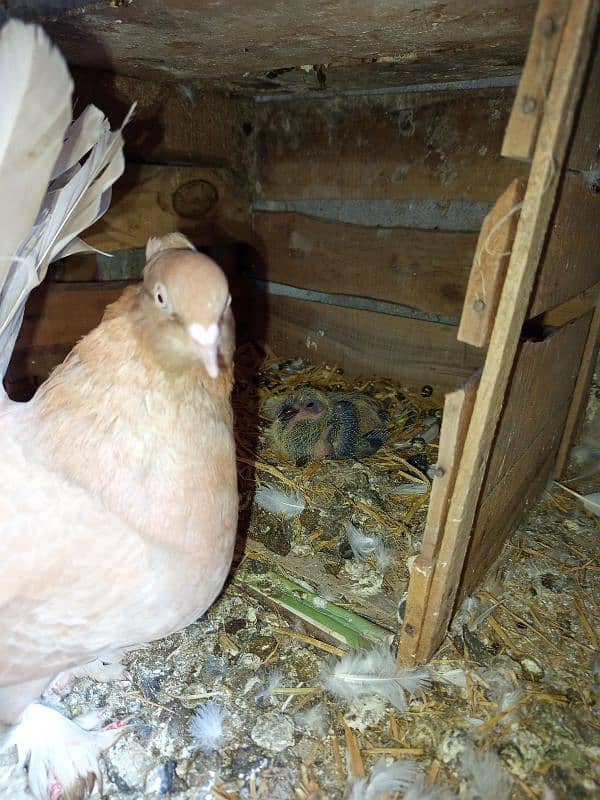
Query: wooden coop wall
[
  {"x": 348, "y": 224},
  {"x": 509, "y": 430}
]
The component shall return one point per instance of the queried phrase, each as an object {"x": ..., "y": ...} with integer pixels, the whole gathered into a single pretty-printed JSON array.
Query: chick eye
[
  {"x": 160, "y": 296},
  {"x": 310, "y": 404}
]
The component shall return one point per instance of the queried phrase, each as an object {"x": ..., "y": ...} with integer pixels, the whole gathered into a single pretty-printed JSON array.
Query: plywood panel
[
  {"x": 527, "y": 441},
  {"x": 584, "y": 153},
  {"x": 571, "y": 259},
  {"x": 426, "y": 270},
  {"x": 368, "y": 343},
  {"x": 413, "y": 146}
]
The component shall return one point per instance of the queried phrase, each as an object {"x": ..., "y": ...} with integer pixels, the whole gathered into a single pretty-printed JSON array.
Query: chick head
[
  {"x": 301, "y": 426},
  {"x": 187, "y": 306}
]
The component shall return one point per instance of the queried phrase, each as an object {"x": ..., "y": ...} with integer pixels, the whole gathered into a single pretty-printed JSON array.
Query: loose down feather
[
  {"x": 54, "y": 180},
  {"x": 591, "y": 502},
  {"x": 376, "y": 672},
  {"x": 288, "y": 504}
]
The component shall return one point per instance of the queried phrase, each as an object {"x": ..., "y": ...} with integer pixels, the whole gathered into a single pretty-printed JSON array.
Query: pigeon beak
[{"x": 207, "y": 346}]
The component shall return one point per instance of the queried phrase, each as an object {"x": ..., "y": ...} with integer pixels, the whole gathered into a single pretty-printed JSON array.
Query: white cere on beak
[
  {"x": 207, "y": 339},
  {"x": 204, "y": 335}
]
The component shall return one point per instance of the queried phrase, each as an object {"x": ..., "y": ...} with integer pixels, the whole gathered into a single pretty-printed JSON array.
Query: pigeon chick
[
  {"x": 119, "y": 501},
  {"x": 313, "y": 424}
]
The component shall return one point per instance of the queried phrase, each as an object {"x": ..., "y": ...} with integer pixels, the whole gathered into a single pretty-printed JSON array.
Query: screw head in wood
[
  {"x": 478, "y": 305},
  {"x": 409, "y": 629},
  {"x": 439, "y": 472},
  {"x": 529, "y": 104}
]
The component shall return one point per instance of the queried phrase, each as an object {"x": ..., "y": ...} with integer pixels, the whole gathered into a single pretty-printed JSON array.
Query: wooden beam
[
  {"x": 425, "y": 270},
  {"x": 458, "y": 407},
  {"x": 489, "y": 266},
  {"x": 546, "y": 168},
  {"x": 185, "y": 41},
  {"x": 524, "y": 123}
]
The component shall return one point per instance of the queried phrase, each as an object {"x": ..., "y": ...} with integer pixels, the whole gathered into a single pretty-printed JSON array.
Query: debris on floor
[{"x": 261, "y": 699}]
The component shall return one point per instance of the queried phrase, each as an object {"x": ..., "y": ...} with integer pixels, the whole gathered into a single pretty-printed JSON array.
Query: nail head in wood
[
  {"x": 548, "y": 26},
  {"x": 478, "y": 305},
  {"x": 439, "y": 472},
  {"x": 529, "y": 104}
]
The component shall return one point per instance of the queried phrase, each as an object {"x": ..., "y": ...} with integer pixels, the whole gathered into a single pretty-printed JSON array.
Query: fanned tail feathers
[{"x": 55, "y": 177}]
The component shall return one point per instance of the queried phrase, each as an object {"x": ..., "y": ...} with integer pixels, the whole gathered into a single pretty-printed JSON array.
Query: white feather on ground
[
  {"x": 314, "y": 720},
  {"x": 206, "y": 726},
  {"x": 362, "y": 545},
  {"x": 375, "y": 672},
  {"x": 385, "y": 780},
  {"x": 273, "y": 682},
  {"x": 383, "y": 556},
  {"x": 486, "y": 777},
  {"x": 288, "y": 504}
]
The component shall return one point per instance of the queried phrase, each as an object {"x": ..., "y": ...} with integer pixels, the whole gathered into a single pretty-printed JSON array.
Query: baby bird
[{"x": 314, "y": 424}]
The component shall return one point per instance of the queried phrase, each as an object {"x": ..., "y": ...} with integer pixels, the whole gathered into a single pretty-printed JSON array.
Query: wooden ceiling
[{"x": 259, "y": 46}]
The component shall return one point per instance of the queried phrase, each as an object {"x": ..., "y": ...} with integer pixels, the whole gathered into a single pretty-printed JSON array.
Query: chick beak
[
  {"x": 207, "y": 346},
  {"x": 286, "y": 413}
]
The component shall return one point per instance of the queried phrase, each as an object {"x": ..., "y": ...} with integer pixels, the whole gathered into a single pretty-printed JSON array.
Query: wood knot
[
  {"x": 195, "y": 199},
  {"x": 409, "y": 629}
]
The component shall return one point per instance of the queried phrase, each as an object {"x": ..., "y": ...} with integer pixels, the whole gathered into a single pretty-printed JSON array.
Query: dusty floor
[{"x": 518, "y": 675}]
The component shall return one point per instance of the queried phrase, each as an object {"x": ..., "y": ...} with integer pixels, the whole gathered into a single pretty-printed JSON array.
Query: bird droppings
[
  {"x": 516, "y": 677},
  {"x": 273, "y": 732}
]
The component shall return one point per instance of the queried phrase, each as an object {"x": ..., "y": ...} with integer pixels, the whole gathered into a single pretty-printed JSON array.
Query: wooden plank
[
  {"x": 584, "y": 153},
  {"x": 426, "y": 270},
  {"x": 172, "y": 123},
  {"x": 410, "y": 351},
  {"x": 458, "y": 406},
  {"x": 580, "y": 394},
  {"x": 489, "y": 266},
  {"x": 570, "y": 263},
  {"x": 413, "y": 146},
  {"x": 59, "y": 313},
  {"x": 152, "y": 200},
  {"x": 524, "y": 124},
  {"x": 528, "y": 437},
  {"x": 527, "y": 249}
]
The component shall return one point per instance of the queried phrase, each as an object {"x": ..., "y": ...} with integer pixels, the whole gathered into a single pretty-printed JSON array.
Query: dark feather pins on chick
[{"x": 314, "y": 424}]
